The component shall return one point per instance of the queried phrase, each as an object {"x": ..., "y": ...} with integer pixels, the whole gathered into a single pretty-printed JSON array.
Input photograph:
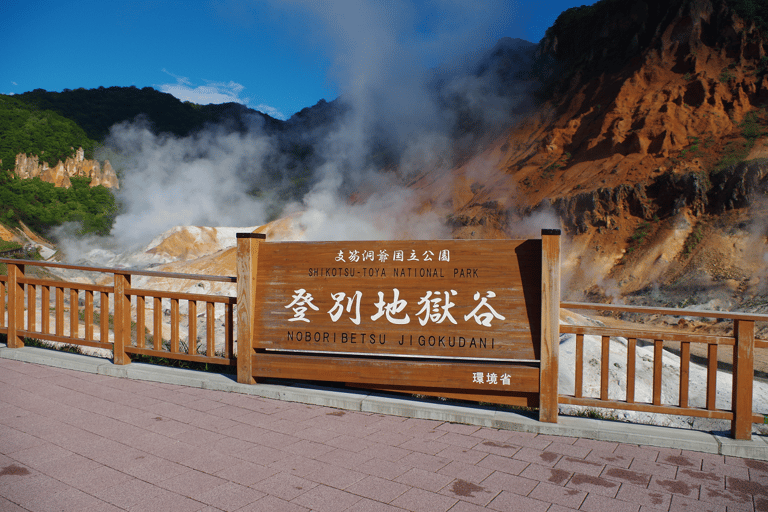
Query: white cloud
[
  {"x": 205, "y": 94},
  {"x": 213, "y": 93},
  {"x": 270, "y": 111}
]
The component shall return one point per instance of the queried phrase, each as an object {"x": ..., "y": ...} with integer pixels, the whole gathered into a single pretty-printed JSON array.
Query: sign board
[{"x": 461, "y": 316}]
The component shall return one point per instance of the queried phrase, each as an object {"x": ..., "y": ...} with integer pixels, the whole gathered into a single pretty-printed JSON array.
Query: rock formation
[
  {"x": 691, "y": 91},
  {"x": 29, "y": 166}
]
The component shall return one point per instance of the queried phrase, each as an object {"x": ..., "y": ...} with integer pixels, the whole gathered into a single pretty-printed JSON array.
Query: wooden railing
[
  {"x": 118, "y": 321},
  {"x": 114, "y": 316},
  {"x": 742, "y": 340}
]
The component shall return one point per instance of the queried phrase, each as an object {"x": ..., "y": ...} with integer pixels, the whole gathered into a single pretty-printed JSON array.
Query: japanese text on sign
[
  {"x": 491, "y": 378},
  {"x": 355, "y": 256},
  {"x": 435, "y": 307}
]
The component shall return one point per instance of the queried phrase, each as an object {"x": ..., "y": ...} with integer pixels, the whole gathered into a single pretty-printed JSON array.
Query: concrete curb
[{"x": 381, "y": 403}]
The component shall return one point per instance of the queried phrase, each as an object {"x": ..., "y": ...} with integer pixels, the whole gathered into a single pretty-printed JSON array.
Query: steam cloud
[
  {"x": 397, "y": 102},
  {"x": 197, "y": 180}
]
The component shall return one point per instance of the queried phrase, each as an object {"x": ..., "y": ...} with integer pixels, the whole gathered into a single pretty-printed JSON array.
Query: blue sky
[{"x": 276, "y": 56}]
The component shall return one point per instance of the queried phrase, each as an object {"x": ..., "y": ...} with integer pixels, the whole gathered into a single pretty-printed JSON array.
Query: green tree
[{"x": 42, "y": 206}]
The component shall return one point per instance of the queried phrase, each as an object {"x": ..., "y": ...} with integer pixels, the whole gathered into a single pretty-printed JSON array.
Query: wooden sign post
[{"x": 467, "y": 319}]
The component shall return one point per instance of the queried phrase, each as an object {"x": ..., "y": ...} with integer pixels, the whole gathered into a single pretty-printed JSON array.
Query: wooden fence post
[
  {"x": 247, "y": 268},
  {"x": 122, "y": 323},
  {"x": 743, "y": 379},
  {"x": 550, "y": 324},
  {"x": 15, "y": 305}
]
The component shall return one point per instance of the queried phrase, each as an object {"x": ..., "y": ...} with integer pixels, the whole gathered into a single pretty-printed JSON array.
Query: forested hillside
[
  {"x": 52, "y": 125},
  {"x": 42, "y": 206},
  {"x": 32, "y": 130},
  {"x": 97, "y": 110},
  {"x": 26, "y": 128}
]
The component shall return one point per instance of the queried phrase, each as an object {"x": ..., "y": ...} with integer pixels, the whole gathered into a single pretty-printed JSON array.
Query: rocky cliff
[
  {"x": 648, "y": 147},
  {"x": 701, "y": 72},
  {"x": 684, "y": 96},
  {"x": 77, "y": 166}
]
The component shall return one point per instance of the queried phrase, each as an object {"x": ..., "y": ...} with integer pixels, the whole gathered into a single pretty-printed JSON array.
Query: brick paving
[{"x": 75, "y": 441}]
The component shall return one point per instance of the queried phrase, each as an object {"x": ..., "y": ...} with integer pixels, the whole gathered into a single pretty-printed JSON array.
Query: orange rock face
[
  {"x": 630, "y": 162},
  {"x": 674, "y": 108}
]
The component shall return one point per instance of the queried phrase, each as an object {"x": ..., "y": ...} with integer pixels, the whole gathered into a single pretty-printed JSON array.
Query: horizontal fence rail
[
  {"x": 116, "y": 316},
  {"x": 742, "y": 343}
]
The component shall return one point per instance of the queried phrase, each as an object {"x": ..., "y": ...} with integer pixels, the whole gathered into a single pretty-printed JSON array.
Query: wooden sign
[{"x": 464, "y": 315}]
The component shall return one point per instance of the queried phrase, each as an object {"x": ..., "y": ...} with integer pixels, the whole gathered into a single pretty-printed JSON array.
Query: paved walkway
[{"x": 78, "y": 441}]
